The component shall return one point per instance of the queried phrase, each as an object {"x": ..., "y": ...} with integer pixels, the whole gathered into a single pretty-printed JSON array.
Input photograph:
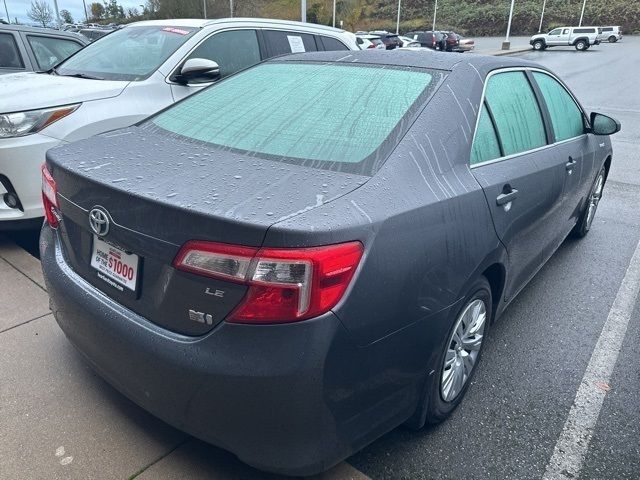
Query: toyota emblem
[{"x": 99, "y": 221}]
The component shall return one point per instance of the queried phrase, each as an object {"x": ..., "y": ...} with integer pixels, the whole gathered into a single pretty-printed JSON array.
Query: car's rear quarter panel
[{"x": 427, "y": 232}]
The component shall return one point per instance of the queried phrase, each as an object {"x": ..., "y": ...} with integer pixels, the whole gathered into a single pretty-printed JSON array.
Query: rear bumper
[{"x": 290, "y": 399}]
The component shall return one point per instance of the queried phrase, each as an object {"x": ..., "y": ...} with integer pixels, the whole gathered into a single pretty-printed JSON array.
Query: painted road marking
[{"x": 571, "y": 448}]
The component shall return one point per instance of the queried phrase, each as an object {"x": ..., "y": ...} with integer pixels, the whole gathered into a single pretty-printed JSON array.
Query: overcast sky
[{"x": 18, "y": 8}]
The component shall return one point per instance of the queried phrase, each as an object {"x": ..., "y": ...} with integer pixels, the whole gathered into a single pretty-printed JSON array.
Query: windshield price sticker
[{"x": 175, "y": 30}]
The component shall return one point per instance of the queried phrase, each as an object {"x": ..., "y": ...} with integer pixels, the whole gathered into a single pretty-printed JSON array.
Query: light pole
[
  {"x": 86, "y": 15},
  {"x": 398, "y": 20},
  {"x": 435, "y": 13},
  {"x": 544, "y": 4},
  {"x": 7, "y": 10},
  {"x": 334, "y": 13},
  {"x": 231, "y": 7},
  {"x": 303, "y": 11},
  {"x": 204, "y": 8},
  {"x": 507, "y": 44},
  {"x": 584, "y": 4},
  {"x": 55, "y": 6}
]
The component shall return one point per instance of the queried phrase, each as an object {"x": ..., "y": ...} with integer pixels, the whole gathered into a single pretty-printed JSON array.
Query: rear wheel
[
  {"x": 581, "y": 45},
  {"x": 613, "y": 39},
  {"x": 588, "y": 213},
  {"x": 538, "y": 45},
  {"x": 461, "y": 352}
]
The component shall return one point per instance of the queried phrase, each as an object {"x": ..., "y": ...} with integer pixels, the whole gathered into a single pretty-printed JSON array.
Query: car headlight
[{"x": 19, "y": 124}]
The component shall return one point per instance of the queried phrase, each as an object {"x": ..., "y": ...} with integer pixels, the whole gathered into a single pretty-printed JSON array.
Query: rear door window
[
  {"x": 566, "y": 115},
  {"x": 9, "y": 54},
  {"x": 280, "y": 42},
  {"x": 50, "y": 51},
  {"x": 232, "y": 50},
  {"x": 516, "y": 112},
  {"x": 486, "y": 146},
  {"x": 331, "y": 44}
]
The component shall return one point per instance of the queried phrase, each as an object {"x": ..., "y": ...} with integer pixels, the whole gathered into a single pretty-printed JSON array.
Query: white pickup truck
[{"x": 579, "y": 37}]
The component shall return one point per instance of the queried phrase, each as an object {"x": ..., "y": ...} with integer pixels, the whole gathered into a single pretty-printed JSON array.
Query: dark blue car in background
[{"x": 259, "y": 267}]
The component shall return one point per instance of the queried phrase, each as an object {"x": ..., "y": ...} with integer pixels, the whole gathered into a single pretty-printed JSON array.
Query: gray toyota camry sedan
[{"x": 299, "y": 259}]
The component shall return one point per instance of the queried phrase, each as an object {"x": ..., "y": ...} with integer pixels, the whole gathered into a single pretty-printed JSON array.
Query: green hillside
[{"x": 469, "y": 17}]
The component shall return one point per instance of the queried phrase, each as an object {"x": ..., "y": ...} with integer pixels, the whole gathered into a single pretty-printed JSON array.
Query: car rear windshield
[
  {"x": 132, "y": 53},
  {"x": 313, "y": 114}
]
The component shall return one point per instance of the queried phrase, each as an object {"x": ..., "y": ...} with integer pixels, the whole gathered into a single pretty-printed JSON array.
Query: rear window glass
[
  {"x": 584, "y": 30},
  {"x": 331, "y": 44},
  {"x": 280, "y": 42},
  {"x": 306, "y": 113}
]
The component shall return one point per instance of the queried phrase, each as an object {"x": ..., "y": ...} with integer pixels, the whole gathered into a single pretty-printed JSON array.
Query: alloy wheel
[
  {"x": 463, "y": 349},
  {"x": 594, "y": 199}
]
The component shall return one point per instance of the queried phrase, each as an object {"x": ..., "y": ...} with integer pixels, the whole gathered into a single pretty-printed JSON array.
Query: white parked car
[
  {"x": 366, "y": 41},
  {"x": 123, "y": 78},
  {"x": 409, "y": 42},
  {"x": 581, "y": 38},
  {"x": 610, "y": 34}
]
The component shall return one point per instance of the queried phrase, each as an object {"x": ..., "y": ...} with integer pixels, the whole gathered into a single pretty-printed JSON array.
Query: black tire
[
  {"x": 585, "y": 221},
  {"x": 580, "y": 45},
  {"x": 538, "y": 45},
  {"x": 613, "y": 39},
  {"x": 438, "y": 409}
]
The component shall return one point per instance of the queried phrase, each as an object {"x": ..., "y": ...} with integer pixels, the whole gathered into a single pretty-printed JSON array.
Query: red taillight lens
[
  {"x": 49, "y": 198},
  {"x": 285, "y": 285}
]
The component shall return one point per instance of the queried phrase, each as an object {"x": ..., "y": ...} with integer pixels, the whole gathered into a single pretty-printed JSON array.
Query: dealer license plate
[{"x": 115, "y": 266}]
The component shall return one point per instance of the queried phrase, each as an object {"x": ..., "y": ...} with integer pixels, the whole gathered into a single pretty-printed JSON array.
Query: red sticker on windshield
[{"x": 175, "y": 30}]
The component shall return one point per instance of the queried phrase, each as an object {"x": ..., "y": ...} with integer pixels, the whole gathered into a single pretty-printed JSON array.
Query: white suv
[
  {"x": 123, "y": 78},
  {"x": 610, "y": 34},
  {"x": 579, "y": 37}
]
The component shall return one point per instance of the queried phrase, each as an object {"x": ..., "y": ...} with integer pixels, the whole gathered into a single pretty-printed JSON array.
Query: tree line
[{"x": 468, "y": 17}]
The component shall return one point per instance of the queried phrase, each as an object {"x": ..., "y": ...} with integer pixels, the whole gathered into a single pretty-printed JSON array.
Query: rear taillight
[
  {"x": 373, "y": 45},
  {"x": 285, "y": 285},
  {"x": 49, "y": 198}
]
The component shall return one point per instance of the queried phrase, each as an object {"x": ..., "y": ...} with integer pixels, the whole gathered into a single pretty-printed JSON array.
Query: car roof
[
  {"x": 201, "y": 23},
  {"x": 409, "y": 58},
  {"x": 48, "y": 31}
]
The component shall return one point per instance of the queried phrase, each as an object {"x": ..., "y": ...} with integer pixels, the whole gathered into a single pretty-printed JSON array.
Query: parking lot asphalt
[{"x": 60, "y": 420}]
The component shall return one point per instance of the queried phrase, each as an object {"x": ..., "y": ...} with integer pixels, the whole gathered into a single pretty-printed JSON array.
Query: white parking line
[{"x": 571, "y": 448}]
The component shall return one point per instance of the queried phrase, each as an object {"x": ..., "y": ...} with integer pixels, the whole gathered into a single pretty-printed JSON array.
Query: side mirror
[
  {"x": 198, "y": 68},
  {"x": 604, "y": 125}
]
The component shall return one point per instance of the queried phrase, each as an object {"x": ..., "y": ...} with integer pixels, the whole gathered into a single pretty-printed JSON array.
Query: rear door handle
[
  {"x": 506, "y": 197},
  {"x": 570, "y": 164}
]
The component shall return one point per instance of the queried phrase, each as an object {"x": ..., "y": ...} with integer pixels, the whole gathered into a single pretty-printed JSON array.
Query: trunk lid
[{"x": 159, "y": 192}]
